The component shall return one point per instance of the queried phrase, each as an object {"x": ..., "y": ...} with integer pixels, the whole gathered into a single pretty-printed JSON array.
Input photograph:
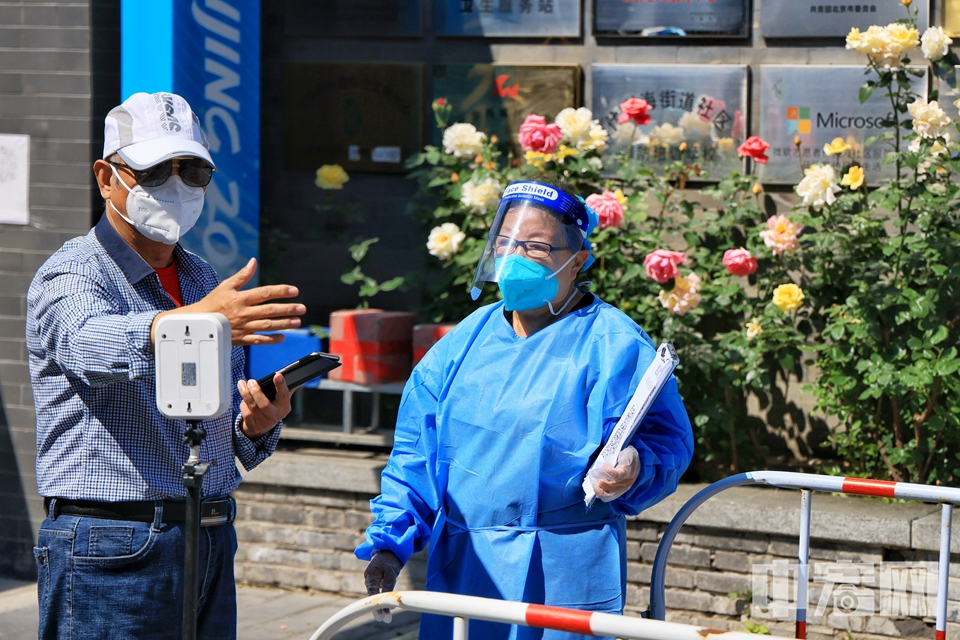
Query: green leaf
[
  {"x": 359, "y": 251},
  {"x": 940, "y": 335},
  {"x": 867, "y": 90},
  {"x": 391, "y": 284}
]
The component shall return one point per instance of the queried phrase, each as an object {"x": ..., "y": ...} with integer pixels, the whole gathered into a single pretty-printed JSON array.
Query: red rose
[
  {"x": 607, "y": 207},
  {"x": 635, "y": 109},
  {"x": 754, "y": 148},
  {"x": 537, "y": 135},
  {"x": 661, "y": 264},
  {"x": 739, "y": 262}
]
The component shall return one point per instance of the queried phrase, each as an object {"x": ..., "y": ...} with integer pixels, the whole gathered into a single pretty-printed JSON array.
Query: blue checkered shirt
[{"x": 99, "y": 433}]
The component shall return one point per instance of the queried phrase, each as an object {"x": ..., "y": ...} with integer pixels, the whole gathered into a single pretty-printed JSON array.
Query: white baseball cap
[{"x": 150, "y": 128}]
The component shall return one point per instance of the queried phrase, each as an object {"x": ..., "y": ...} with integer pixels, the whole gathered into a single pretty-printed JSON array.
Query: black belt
[{"x": 212, "y": 512}]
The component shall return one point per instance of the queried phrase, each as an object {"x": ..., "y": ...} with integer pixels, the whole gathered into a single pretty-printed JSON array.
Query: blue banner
[{"x": 216, "y": 68}]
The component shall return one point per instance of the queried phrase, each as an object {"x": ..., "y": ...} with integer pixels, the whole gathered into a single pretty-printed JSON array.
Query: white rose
[
  {"x": 581, "y": 130},
  {"x": 694, "y": 125},
  {"x": 480, "y": 196},
  {"x": 667, "y": 134},
  {"x": 818, "y": 186},
  {"x": 596, "y": 163},
  {"x": 630, "y": 134},
  {"x": 928, "y": 118},
  {"x": 574, "y": 123},
  {"x": 885, "y": 45},
  {"x": 462, "y": 140},
  {"x": 935, "y": 43},
  {"x": 597, "y": 141},
  {"x": 936, "y": 149},
  {"x": 444, "y": 241}
]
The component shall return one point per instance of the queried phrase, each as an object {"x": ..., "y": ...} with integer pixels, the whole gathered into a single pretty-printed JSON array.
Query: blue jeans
[{"x": 102, "y": 578}]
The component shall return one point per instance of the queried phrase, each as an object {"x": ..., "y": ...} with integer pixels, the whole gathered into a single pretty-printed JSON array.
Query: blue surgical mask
[{"x": 526, "y": 284}]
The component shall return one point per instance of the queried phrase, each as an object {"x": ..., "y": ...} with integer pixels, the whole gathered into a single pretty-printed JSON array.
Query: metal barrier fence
[
  {"x": 464, "y": 608},
  {"x": 807, "y": 483}
]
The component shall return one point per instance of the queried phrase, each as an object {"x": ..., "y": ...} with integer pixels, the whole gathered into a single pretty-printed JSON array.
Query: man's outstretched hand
[{"x": 249, "y": 311}]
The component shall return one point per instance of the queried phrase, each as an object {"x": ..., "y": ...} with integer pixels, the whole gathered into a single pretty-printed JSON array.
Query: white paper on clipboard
[{"x": 650, "y": 386}]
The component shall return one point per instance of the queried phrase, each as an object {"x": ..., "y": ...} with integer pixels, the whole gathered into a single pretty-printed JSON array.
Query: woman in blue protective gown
[{"x": 499, "y": 424}]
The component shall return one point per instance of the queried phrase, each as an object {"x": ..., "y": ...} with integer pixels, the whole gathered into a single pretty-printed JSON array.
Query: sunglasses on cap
[{"x": 195, "y": 172}]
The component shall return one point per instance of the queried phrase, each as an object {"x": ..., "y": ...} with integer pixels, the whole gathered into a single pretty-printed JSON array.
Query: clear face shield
[{"x": 537, "y": 231}]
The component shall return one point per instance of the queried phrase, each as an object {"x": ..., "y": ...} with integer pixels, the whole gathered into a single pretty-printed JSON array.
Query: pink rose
[
  {"x": 607, "y": 207},
  {"x": 781, "y": 234},
  {"x": 634, "y": 109},
  {"x": 754, "y": 147},
  {"x": 537, "y": 135},
  {"x": 661, "y": 265},
  {"x": 739, "y": 262}
]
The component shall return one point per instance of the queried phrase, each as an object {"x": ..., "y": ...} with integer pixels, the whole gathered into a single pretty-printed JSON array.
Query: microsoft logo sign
[{"x": 798, "y": 119}]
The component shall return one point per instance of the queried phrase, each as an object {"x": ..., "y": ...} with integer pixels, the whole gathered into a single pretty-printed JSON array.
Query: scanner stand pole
[{"x": 193, "y": 472}]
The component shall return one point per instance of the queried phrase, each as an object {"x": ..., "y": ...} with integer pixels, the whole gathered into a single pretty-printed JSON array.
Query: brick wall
[
  {"x": 47, "y": 90},
  {"x": 299, "y": 522}
]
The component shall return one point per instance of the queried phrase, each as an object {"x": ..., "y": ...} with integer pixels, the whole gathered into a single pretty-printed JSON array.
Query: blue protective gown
[{"x": 494, "y": 437}]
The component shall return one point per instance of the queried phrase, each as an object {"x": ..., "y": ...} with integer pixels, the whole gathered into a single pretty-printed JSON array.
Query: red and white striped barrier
[
  {"x": 465, "y": 608},
  {"x": 856, "y": 486},
  {"x": 807, "y": 483}
]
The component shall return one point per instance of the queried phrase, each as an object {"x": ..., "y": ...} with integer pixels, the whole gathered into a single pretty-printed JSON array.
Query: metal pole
[
  {"x": 943, "y": 578},
  {"x": 347, "y": 411},
  {"x": 375, "y": 413},
  {"x": 803, "y": 575},
  {"x": 193, "y": 472},
  {"x": 461, "y": 628}
]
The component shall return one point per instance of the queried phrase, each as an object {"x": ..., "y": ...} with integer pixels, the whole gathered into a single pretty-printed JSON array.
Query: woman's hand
[{"x": 610, "y": 482}]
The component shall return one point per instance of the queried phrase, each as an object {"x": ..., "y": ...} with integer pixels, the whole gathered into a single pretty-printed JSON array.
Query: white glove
[
  {"x": 380, "y": 576},
  {"x": 610, "y": 482}
]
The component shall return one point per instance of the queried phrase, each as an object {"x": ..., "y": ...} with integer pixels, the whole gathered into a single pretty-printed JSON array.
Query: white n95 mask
[{"x": 165, "y": 213}]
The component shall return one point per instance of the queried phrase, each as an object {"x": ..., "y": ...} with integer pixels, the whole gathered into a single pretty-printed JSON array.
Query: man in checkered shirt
[{"x": 110, "y": 552}]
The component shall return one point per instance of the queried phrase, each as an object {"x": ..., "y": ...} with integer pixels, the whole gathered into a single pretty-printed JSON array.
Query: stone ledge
[
  {"x": 760, "y": 510},
  {"x": 347, "y": 471},
  {"x": 777, "y": 512}
]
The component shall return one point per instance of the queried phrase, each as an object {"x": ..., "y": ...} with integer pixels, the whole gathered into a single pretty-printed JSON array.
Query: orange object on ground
[
  {"x": 427, "y": 335},
  {"x": 375, "y": 346}
]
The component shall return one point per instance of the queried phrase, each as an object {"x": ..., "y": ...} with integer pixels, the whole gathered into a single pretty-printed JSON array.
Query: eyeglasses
[
  {"x": 194, "y": 172},
  {"x": 506, "y": 245}
]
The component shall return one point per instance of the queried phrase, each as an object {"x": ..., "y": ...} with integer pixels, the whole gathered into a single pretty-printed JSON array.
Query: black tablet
[{"x": 303, "y": 370}]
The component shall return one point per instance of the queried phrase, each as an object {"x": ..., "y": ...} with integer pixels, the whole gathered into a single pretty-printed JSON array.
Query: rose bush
[{"x": 860, "y": 282}]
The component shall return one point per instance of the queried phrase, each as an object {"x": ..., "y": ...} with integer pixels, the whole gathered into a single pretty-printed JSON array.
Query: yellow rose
[
  {"x": 754, "y": 329},
  {"x": 835, "y": 148},
  {"x": 853, "y": 178},
  {"x": 757, "y": 189},
  {"x": 788, "y": 297},
  {"x": 331, "y": 176},
  {"x": 564, "y": 151},
  {"x": 621, "y": 199}
]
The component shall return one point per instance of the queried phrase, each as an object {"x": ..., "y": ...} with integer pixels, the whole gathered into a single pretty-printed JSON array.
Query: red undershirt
[{"x": 170, "y": 279}]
